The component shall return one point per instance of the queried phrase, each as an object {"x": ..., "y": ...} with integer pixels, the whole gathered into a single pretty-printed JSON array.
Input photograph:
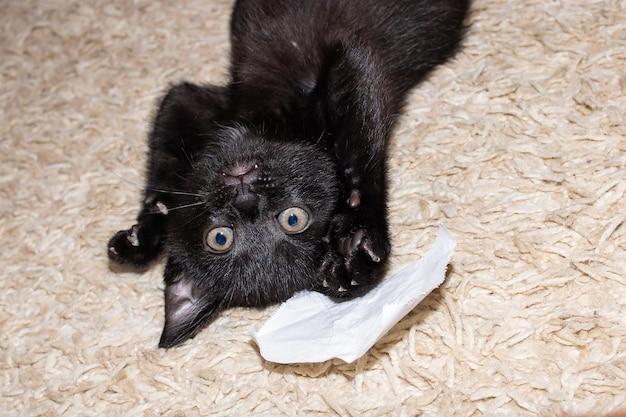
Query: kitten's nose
[{"x": 245, "y": 199}]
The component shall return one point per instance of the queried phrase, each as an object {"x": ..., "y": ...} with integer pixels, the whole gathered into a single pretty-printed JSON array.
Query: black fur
[{"x": 299, "y": 132}]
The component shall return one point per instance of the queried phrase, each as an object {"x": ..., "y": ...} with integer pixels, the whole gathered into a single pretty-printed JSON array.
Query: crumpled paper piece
[{"x": 310, "y": 327}]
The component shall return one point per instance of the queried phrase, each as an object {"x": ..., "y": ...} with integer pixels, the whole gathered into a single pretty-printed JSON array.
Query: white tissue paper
[{"x": 310, "y": 327}]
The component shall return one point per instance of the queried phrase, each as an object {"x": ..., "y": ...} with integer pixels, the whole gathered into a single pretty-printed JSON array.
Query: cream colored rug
[{"x": 518, "y": 146}]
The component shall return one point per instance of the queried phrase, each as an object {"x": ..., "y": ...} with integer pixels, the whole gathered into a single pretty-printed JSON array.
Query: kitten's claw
[
  {"x": 132, "y": 236},
  {"x": 357, "y": 242},
  {"x": 368, "y": 248},
  {"x": 162, "y": 208},
  {"x": 349, "y": 244}
]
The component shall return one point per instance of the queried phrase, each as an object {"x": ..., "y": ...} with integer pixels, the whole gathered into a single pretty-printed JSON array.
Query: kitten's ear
[{"x": 187, "y": 308}]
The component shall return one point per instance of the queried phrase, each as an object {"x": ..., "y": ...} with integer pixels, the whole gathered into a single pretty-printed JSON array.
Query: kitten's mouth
[
  {"x": 241, "y": 174},
  {"x": 242, "y": 177}
]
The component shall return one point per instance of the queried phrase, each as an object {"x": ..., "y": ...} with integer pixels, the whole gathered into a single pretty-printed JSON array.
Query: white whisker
[
  {"x": 169, "y": 209},
  {"x": 158, "y": 190},
  {"x": 174, "y": 192}
]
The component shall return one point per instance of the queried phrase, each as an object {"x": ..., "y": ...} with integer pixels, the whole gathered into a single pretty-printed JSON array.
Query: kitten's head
[{"x": 254, "y": 235}]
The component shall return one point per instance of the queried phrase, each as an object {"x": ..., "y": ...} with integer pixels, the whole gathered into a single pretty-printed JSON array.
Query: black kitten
[{"x": 276, "y": 183}]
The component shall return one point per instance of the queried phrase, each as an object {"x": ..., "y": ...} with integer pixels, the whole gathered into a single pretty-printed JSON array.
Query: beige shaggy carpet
[{"x": 518, "y": 146}]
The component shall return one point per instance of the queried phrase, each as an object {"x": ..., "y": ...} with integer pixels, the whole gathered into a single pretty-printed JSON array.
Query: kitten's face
[{"x": 254, "y": 235}]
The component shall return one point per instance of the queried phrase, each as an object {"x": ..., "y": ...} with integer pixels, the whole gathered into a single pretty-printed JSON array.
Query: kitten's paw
[
  {"x": 129, "y": 247},
  {"x": 356, "y": 265}
]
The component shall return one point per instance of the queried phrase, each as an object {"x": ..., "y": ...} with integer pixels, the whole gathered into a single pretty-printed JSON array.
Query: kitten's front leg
[
  {"x": 362, "y": 102},
  {"x": 179, "y": 131}
]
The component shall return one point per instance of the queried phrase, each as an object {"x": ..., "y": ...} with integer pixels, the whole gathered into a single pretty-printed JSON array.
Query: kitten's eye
[
  {"x": 293, "y": 220},
  {"x": 220, "y": 239}
]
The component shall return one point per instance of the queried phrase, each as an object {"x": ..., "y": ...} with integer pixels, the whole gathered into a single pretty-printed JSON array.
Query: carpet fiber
[{"x": 517, "y": 145}]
